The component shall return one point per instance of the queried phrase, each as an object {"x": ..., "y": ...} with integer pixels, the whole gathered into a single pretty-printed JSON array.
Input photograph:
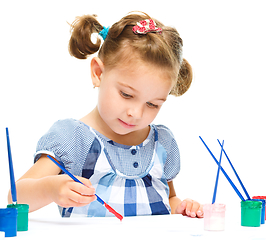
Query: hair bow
[{"x": 146, "y": 26}]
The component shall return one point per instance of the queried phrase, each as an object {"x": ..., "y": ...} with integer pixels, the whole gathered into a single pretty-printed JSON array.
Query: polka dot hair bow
[{"x": 146, "y": 26}]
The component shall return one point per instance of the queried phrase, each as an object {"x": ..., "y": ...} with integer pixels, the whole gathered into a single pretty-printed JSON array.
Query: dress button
[
  {"x": 135, "y": 164},
  {"x": 133, "y": 151}
]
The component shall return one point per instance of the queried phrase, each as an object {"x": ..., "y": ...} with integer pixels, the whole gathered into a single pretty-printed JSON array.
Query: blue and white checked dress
[{"x": 131, "y": 179}]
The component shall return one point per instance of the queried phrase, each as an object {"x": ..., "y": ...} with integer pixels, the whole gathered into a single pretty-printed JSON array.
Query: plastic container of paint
[
  {"x": 261, "y": 197},
  {"x": 8, "y": 221},
  {"x": 251, "y": 213},
  {"x": 22, "y": 219},
  {"x": 214, "y": 217},
  {"x": 262, "y": 210}
]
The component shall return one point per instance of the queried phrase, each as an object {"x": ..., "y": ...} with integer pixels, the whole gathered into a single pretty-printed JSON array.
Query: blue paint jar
[
  {"x": 8, "y": 221},
  {"x": 262, "y": 210}
]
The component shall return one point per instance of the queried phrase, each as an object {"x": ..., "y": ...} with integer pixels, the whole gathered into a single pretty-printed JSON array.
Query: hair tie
[
  {"x": 146, "y": 26},
  {"x": 104, "y": 32}
]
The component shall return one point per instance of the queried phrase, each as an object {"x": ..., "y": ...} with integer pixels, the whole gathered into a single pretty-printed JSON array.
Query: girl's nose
[{"x": 135, "y": 112}]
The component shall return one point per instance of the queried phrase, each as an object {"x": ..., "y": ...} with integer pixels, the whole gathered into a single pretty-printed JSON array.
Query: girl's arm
[
  {"x": 41, "y": 185},
  {"x": 186, "y": 207}
]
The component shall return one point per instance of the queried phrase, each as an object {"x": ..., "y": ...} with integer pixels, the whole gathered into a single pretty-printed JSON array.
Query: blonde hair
[{"x": 163, "y": 50}]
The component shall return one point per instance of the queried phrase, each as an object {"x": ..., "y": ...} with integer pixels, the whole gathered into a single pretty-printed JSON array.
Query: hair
[{"x": 164, "y": 50}]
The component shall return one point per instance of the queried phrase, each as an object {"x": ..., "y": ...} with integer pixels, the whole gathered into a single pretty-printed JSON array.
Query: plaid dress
[{"x": 131, "y": 179}]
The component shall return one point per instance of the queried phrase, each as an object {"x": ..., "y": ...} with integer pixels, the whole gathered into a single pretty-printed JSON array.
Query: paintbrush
[
  {"x": 223, "y": 171},
  {"x": 110, "y": 209},
  {"x": 11, "y": 171},
  {"x": 217, "y": 176},
  {"x": 242, "y": 185}
]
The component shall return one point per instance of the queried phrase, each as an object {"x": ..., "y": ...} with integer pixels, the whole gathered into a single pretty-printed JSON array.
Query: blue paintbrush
[
  {"x": 242, "y": 185},
  {"x": 217, "y": 176},
  {"x": 11, "y": 171},
  {"x": 110, "y": 209},
  {"x": 225, "y": 174}
]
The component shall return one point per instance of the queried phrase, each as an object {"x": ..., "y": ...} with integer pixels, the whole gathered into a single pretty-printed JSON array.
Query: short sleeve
[
  {"x": 68, "y": 141},
  {"x": 172, "y": 162}
]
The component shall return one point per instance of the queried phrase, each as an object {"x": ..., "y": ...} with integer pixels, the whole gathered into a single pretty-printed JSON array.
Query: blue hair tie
[{"x": 104, "y": 32}]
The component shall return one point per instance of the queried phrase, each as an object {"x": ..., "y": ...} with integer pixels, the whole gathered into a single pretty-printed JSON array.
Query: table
[{"x": 144, "y": 227}]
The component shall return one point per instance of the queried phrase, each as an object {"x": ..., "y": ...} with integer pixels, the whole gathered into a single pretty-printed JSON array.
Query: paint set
[
  {"x": 252, "y": 210},
  {"x": 15, "y": 217}
]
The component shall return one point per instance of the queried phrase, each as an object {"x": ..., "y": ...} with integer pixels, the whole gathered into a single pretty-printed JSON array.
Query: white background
[{"x": 223, "y": 40}]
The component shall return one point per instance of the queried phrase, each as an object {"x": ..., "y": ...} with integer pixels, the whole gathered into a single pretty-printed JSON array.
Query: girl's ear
[{"x": 96, "y": 71}]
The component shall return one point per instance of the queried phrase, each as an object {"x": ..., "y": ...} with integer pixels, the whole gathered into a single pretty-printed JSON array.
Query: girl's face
[{"x": 130, "y": 97}]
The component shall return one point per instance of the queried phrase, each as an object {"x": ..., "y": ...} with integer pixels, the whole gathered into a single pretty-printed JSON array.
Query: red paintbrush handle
[{"x": 111, "y": 210}]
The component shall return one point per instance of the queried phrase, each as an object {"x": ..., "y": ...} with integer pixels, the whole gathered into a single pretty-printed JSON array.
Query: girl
[{"x": 115, "y": 150}]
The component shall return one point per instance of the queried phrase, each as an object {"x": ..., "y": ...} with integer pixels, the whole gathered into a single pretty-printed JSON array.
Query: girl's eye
[
  {"x": 125, "y": 95},
  {"x": 151, "y": 105},
  {"x": 128, "y": 96}
]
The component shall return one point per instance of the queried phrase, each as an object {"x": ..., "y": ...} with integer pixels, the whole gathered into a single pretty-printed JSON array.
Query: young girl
[{"x": 115, "y": 150}]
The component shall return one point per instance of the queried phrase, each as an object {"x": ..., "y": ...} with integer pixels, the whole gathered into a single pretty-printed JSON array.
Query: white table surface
[{"x": 145, "y": 227}]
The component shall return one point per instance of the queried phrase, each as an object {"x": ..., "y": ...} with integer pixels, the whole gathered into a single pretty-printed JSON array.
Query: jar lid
[
  {"x": 259, "y": 197},
  {"x": 8, "y": 212},
  {"x": 261, "y": 200},
  {"x": 20, "y": 207},
  {"x": 217, "y": 207},
  {"x": 251, "y": 204}
]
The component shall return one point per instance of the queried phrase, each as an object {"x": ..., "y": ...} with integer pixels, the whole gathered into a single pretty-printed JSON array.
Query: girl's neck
[{"x": 94, "y": 120}]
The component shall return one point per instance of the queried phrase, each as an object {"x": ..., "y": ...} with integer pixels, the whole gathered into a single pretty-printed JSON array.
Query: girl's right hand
[{"x": 67, "y": 193}]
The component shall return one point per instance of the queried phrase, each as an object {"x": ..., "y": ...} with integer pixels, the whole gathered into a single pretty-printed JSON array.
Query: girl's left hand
[{"x": 190, "y": 208}]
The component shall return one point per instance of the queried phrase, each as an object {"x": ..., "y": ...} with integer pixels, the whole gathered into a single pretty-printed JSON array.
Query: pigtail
[
  {"x": 80, "y": 44},
  {"x": 184, "y": 79}
]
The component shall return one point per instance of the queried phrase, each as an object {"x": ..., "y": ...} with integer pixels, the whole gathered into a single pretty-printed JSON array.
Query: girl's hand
[
  {"x": 190, "y": 208},
  {"x": 67, "y": 193}
]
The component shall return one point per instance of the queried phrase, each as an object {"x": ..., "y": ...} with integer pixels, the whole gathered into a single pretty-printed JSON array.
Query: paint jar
[
  {"x": 251, "y": 213},
  {"x": 23, "y": 212},
  {"x": 8, "y": 221},
  {"x": 261, "y": 197},
  {"x": 214, "y": 217},
  {"x": 262, "y": 210}
]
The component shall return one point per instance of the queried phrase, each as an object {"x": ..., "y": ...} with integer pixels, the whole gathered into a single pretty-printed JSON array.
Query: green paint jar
[
  {"x": 251, "y": 213},
  {"x": 22, "y": 219}
]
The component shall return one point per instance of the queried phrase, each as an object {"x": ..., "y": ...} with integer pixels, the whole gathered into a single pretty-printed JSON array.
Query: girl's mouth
[{"x": 126, "y": 125}]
